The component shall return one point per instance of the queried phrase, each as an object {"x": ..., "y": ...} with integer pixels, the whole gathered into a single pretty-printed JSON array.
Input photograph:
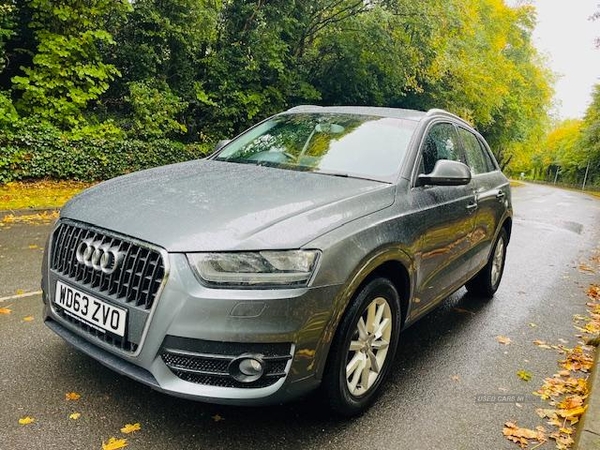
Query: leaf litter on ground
[{"x": 566, "y": 391}]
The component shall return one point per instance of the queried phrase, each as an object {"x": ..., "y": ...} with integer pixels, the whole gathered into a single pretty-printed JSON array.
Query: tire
[
  {"x": 487, "y": 280},
  {"x": 365, "y": 343}
]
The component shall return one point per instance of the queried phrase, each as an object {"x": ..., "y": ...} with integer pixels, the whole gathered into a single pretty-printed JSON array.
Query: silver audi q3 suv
[{"x": 290, "y": 259}]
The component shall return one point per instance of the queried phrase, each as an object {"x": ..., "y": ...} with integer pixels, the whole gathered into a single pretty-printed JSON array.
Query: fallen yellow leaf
[
  {"x": 114, "y": 444},
  {"x": 74, "y": 416},
  {"x": 19, "y": 291},
  {"x": 562, "y": 441},
  {"x": 577, "y": 360},
  {"x": 33, "y": 247},
  {"x": 520, "y": 436},
  {"x": 541, "y": 344},
  {"x": 5, "y": 311},
  {"x": 594, "y": 292},
  {"x": 217, "y": 418},
  {"x": 524, "y": 375},
  {"x": 27, "y": 318},
  {"x": 503, "y": 340},
  {"x": 72, "y": 396},
  {"x": 26, "y": 420},
  {"x": 570, "y": 413},
  {"x": 583, "y": 267},
  {"x": 571, "y": 402},
  {"x": 130, "y": 428},
  {"x": 549, "y": 413}
]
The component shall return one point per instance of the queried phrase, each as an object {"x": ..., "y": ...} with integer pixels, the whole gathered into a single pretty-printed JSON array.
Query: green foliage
[
  {"x": 67, "y": 71},
  {"x": 253, "y": 72},
  {"x": 155, "y": 109},
  {"x": 590, "y": 136},
  {"x": 7, "y": 25},
  {"x": 562, "y": 152},
  {"x": 91, "y": 74},
  {"x": 8, "y": 113},
  {"x": 570, "y": 150},
  {"x": 39, "y": 150},
  {"x": 346, "y": 71},
  {"x": 164, "y": 45}
]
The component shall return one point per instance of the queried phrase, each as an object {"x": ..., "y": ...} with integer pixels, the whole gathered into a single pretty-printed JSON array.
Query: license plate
[{"x": 97, "y": 313}]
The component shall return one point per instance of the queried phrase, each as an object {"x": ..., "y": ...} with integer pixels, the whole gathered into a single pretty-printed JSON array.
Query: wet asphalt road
[{"x": 445, "y": 361}]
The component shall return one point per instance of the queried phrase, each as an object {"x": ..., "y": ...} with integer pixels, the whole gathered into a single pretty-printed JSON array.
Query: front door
[{"x": 445, "y": 217}]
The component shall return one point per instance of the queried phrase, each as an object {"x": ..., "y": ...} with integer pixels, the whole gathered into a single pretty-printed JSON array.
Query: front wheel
[
  {"x": 487, "y": 280},
  {"x": 363, "y": 348}
]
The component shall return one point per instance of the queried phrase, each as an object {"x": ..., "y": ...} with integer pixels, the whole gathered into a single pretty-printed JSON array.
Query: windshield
[{"x": 338, "y": 144}]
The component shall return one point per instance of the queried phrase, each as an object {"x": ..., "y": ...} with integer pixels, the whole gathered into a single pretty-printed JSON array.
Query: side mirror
[
  {"x": 446, "y": 173},
  {"x": 222, "y": 143}
]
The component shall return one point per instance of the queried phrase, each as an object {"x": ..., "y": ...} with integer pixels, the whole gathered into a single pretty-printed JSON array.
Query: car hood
[{"x": 221, "y": 206}]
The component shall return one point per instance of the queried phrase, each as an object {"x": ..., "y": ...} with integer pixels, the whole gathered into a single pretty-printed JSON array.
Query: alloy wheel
[{"x": 369, "y": 347}]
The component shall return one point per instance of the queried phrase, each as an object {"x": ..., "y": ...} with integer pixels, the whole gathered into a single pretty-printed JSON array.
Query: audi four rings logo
[{"x": 99, "y": 256}]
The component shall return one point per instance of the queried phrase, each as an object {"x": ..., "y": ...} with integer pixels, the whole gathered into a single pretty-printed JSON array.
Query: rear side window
[
  {"x": 491, "y": 162},
  {"x": 477, "y": 158},
  {"x": 441, "y": 142}
]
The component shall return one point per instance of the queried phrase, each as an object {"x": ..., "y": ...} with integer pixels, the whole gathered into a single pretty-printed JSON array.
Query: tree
[
  {"x": 161, "y": 48},
  {"x": 67, "y": 71},
  {"x": 563, "y": 152},
  {"x": 590, "y": 136}
]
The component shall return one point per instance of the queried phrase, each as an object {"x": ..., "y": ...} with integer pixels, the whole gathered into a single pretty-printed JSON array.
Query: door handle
[
  {"x": 471, "y": 206},
  {"x": 500, "y": 195}
]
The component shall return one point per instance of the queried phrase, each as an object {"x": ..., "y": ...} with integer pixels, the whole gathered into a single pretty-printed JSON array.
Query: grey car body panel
[
  {"x": 196, "y": 206},
  {"x": 358, "y": 225}
]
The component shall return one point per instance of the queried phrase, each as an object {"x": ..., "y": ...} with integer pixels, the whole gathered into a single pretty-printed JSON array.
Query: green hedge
[{"x": 45, "y": 153}]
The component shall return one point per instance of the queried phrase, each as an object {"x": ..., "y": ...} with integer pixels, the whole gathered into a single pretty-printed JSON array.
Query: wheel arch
[
  {"x": 396, "y": 266},
  {"x": 507, "y": 225},
  {"x": 394, "y": 271}
]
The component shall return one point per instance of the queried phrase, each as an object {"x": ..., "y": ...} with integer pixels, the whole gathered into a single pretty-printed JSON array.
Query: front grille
[
  {"x": 207, "y": 362},
  {"x": 135, "y": 282}
]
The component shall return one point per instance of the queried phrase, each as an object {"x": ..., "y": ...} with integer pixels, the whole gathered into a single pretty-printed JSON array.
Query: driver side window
[{"x": 441, "y": 142}]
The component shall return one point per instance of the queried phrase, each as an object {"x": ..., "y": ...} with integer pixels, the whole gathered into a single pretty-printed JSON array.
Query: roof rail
[{"x": 446, "y": 113}]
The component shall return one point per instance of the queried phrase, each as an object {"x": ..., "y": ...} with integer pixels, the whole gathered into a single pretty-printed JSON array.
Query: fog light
[{"x": 247, "y": 368}]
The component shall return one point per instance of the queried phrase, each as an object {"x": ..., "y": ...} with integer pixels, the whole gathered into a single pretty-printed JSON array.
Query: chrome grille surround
[
  {"x": 136, "y": 283},
  {"x": 137, "y": 279}
]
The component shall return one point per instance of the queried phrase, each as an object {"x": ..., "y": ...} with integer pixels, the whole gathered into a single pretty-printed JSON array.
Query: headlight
[{"x": 247, "y": 269}]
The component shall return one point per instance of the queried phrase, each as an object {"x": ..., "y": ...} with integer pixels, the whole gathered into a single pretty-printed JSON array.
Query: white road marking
[{"x": 14, "y": 297}]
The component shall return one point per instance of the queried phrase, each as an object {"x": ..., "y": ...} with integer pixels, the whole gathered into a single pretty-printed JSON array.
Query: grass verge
[{"x": 44, "y": 194}]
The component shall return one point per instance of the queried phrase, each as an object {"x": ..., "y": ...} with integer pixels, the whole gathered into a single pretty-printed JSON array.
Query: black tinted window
[
  {"x": 441, "y": 142},
  {"x": 489, "y": 159},
  {"x": 477, "y": 157}
]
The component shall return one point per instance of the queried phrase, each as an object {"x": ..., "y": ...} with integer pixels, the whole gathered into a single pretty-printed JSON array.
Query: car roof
[{"x": 397, "y": 113}]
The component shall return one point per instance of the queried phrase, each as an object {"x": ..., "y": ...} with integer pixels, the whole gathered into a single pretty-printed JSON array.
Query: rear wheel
[
  {"x": 363, "y": 349},
  {"x": 487, "y": 280}
]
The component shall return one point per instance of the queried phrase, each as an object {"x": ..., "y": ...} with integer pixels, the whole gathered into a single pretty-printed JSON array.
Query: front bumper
[{"x": 207, "y": 326}]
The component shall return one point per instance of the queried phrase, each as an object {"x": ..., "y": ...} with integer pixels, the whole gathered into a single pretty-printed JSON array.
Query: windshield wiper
[
  {"x": 345, "y": 175},
  {"x": 333, "y": 174}
]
